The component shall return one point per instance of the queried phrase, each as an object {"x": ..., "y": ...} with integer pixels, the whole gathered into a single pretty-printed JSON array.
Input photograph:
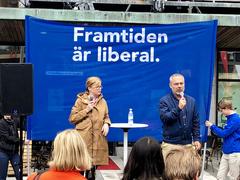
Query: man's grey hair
[{"x": 175, "y": 75}]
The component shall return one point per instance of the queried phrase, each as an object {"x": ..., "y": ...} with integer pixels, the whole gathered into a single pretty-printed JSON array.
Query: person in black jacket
[{"x": 9, "y": 145}]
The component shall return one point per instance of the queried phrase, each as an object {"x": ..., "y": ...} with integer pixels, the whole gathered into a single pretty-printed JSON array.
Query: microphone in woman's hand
[
  {"x": 91, "y": 98},
  {"x": 91, "y": 102}
]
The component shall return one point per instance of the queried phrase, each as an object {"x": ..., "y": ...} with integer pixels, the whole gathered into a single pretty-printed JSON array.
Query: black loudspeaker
[{"x": 16, "y": 89}]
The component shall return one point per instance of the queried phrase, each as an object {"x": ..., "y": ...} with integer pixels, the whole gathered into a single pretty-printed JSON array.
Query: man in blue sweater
[
  {"x": 179, "y": 117},
  {"x": 230, "y": 161}
]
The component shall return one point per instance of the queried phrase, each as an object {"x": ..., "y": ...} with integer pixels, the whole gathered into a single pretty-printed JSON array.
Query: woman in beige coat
[{"x": 90, "y": 117}]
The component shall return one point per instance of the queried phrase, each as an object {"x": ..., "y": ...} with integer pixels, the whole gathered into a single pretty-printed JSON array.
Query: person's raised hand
[
  {"x": 182, "y": 103},
  {"x": 91, "y": 105}
]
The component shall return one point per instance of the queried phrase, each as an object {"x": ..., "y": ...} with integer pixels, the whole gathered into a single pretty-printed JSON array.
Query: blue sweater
[
  {"x": 230, "y": 134},
  {"x": 179, "y": 126}
]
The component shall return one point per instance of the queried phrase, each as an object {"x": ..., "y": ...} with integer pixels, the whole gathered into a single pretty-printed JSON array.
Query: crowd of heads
[{"x": 146, "y": 162}]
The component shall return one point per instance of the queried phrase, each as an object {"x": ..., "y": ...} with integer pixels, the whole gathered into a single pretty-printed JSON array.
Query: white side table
[{"x": 125, "y": 127}]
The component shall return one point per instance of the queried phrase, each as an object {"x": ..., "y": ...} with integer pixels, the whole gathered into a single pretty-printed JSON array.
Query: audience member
[
  {"x": 145, "y": 161},
  {"x": 230, "y": 161},
  {"x": 182, "y": 163},
  {"x": 69, "y": 157}
]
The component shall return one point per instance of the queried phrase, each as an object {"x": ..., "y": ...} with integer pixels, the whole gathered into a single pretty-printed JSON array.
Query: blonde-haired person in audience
[
  {"x": 69, "y": 157},
  {"x": 182, "y": 164}
]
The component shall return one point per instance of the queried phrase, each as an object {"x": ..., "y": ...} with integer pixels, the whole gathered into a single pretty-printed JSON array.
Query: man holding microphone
[{"x": 179, "y": 117}]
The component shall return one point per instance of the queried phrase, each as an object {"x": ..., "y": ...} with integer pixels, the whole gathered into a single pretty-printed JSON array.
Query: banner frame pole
[{"x": 203, "y": 161}]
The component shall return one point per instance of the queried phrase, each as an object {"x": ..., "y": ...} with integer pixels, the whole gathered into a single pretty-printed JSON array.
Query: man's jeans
[{"x": 15, "y": 162}]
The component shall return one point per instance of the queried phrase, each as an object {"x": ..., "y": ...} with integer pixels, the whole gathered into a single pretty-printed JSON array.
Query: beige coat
[{"x": 90, "y": 124}]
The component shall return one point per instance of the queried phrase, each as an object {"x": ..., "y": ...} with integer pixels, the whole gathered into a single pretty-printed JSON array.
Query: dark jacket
[
  {"x": 9, "y": 140},
  {"x": 179, "y": 126}
]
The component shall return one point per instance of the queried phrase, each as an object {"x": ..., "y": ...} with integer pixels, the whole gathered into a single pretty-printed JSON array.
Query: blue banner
[{"x": 134, "y": 63}]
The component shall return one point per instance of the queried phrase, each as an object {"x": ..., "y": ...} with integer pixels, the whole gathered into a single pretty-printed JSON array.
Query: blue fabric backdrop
[{"x": 134, "y": 63}]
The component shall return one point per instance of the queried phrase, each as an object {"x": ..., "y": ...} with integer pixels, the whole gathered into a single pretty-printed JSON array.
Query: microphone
[
  {"x": 91, "y": 98},
  {"x": 181, "y": 94}
]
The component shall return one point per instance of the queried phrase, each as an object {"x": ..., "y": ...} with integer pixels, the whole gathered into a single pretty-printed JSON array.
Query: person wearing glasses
[
  {"x": 90, "y": 117},
  {"x": 179, "y": 117},
  {"x": 230, "y": 161}
]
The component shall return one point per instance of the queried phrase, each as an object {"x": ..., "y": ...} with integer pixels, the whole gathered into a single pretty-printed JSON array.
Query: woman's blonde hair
[
  {"x": 182, "y": 164},
  {"x": 70, "y": 152},
  {"x": 93, "y": 80}
]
